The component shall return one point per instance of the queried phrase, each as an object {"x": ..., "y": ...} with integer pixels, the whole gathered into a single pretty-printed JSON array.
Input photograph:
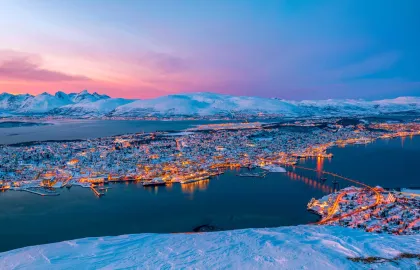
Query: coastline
[
  {"x": 23, "y": 123},
  {"x": 128, "y": 139}
]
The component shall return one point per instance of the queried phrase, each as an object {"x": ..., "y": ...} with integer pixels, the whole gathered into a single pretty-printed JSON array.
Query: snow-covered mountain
[
  {"x": 298, "y": 247},
  {"x": 86, "y": 97},
  {"x": 45, "y": 102},
  {"x": 359, "y": 107},
  {"x": 85, "y": 104},
  {"x": 9, "y": 102},
  {"x": 216, "y": 104},
  {"x": 206, "y": 104},
  {"x": 91, "y": 109}
]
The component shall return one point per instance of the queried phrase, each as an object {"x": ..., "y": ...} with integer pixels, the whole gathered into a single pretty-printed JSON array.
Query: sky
[{"x": 291, "y": 49}]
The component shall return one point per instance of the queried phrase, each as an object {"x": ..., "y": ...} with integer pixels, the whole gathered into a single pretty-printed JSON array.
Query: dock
[
  {"x": 258, "y": 175},
  {"x": 41, "y": 193},
  {"x": 97, "y": 193},
  {"x": 194, "y": 180}
]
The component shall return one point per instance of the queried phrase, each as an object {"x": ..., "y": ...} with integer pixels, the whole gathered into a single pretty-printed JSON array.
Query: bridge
[{"x": 333, "y": 209}]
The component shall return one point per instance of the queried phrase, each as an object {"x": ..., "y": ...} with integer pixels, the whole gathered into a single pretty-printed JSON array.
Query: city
[
  {"x": 185, "y": 157},
  {"x": 198, "y": 153},
  {"x": 371, "y": 209}
]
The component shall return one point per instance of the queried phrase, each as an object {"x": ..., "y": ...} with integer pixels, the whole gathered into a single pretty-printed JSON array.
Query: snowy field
[
  {"x": 414, "y": 191},
  {"x": 299, "y": 247}
]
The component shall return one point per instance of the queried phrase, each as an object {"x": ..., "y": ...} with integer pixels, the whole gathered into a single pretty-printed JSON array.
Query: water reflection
[
  {"x": 319, "y": 166},
  {"x": 152, "y": 189},
  {"x": 190, "y": 188},
  {"x": 310, "y": 182},
  {"x": 169, "y": 186}
]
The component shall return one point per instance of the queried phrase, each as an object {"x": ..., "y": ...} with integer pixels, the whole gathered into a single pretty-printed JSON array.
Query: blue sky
[{"x": 286, "y": 49}]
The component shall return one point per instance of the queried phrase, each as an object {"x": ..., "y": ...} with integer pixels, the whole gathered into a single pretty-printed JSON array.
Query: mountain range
[{"x": 91, "y": 105}]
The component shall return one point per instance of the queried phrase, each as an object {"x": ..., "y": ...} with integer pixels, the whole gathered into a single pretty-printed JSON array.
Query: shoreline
[
  {"x": 229, "y": 230},
  {"x": 392, "y": 212},
  {"x": 141, "y": 143}
]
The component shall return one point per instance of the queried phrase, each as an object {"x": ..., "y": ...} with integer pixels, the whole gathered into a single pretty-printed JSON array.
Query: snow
[
  {"x": 58, "y": 185},
  {"x": 212, "y": 104},
  {"x": 42, "y": 103},
  {"x": 11, "y": 102},
  {"x": 198, "y": 104},
  {"x": 413, "y": 191},
  {"x": 359, "y": 106},
  {"x": 273, "y": 168},
  {"x": 183, "y": 133},
  {"x": 99, "y": 107},
  {"x": 206, "y": 104},
  {"x": 85, "y": 97},
  {"x": 298, "y": 247},
  {"x": 45, "y": 102}
]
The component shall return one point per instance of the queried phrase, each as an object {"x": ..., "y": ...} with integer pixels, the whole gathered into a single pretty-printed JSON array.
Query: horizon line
[{"x": 204, "y": 92}]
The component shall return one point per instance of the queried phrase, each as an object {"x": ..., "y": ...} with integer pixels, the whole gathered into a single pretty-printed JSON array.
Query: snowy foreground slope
[{"x": 298, "y": 247}]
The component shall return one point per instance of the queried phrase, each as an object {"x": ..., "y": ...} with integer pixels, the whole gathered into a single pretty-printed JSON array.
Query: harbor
[
  {"x": 224, "y": 201},
  {"x": 41, "y": 192},
  {"x": 160, "y": 158}
]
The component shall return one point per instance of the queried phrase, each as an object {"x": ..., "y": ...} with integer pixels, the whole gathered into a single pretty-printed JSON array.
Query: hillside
[{"x": 300, "y": 247}]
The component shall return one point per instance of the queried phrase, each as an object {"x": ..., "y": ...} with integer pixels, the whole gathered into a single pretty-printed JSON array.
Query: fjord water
[
  {"x": 225, "y": 202},
  {"x": 390, "y": 163},
  {"x": 86, "y": 129}
]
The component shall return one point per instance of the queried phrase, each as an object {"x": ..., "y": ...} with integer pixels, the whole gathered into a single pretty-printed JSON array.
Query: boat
[
  {"x": 194, "y": 180},
  {"x": 154, "y": 182},
  {"x": 4, "y": 188},
  {"x": 260, "y": 175}
]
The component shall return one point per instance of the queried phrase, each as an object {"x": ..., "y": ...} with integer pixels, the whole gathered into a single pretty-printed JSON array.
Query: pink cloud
[{"x": 22, "y": 66}]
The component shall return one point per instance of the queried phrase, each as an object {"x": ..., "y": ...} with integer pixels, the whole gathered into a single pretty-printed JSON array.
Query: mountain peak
[
  {"x": 84, "y": 96},
  {"x": 198, "y": 104},
  {"x": 84, "y": 92},
  {"x": 60, "y": 93}
]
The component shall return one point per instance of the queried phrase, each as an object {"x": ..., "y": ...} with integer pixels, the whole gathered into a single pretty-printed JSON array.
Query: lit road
[
  {"x": 332, "y": 210},
  {"x": 334, "y": 207}
]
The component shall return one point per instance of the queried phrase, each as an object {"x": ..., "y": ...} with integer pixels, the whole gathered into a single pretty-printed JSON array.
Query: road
[{"x": 335, "y": 205}]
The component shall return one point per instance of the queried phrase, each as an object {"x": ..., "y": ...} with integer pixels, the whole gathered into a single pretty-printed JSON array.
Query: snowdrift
[{"x": 299, "y": 247}]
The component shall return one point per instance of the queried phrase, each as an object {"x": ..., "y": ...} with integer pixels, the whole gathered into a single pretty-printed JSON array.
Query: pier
[
  {"x": 41, "y": 193},
  {"x": 257, "y": 175},
  {"x": 97, "y": 193}
]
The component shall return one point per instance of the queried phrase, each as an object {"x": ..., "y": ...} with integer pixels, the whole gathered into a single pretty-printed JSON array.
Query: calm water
[
  {"x": 388, "y": 163},
  {"x": 84, "y": 129},
  {"x": 226, "y": 202}
]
